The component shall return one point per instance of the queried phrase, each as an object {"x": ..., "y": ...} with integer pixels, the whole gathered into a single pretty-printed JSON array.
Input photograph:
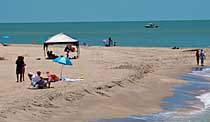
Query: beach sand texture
[{"x": 117, "y": 82}]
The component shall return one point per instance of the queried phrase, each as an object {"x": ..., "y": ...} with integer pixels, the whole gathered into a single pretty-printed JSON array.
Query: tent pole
[
  {"x": 44, "y": 49},
  {"x": 78, "y": 51}
]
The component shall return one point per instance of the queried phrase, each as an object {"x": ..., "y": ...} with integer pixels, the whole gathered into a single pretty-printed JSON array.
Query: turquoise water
[
  {"x": 194, "y": 96},
  {"x": 169, "y": 34}
]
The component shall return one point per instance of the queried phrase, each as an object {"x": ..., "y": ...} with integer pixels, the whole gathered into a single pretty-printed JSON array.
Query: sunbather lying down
[{"x": 39, "y": 82}]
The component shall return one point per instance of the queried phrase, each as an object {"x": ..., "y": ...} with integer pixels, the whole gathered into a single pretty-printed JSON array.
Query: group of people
[
  {"x": 69, "y": 48},
  {"x": 36, "y": 79},
  {"x": 20, "y": 68},
  {"x": 200, "y": 56},
  {"x": 51, "y": 55},
  {"x": 40, "y": 82}
]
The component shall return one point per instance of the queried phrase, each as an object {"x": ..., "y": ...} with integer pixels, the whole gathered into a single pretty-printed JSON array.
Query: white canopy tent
[{"x": 61, "y": 39}]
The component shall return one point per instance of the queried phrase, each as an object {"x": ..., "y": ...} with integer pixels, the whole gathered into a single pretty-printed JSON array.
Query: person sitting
[
  {"x": 51, "y": 55},
  {"x": 48, "y": 54},
  {"x": 37, "y": 80},
  {"x": 51, "y": 78},
  {"x": 175, "y": 47}
]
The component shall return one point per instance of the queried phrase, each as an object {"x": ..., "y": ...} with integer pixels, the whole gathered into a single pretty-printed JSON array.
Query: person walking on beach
[
  {"x": 23, "y": 69},
  {"x": 202, "y": 57},
  {"x": 197, "y": 57},
  {"x": 19, "y": 68}
]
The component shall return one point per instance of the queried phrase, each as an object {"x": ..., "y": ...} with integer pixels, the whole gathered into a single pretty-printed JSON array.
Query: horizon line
[{"x": 101, "y": 21}]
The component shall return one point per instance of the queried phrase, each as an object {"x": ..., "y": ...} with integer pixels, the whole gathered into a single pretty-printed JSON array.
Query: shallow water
[{"x": 189, "y": 103}]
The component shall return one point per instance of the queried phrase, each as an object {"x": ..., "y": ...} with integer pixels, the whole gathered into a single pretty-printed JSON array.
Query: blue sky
[{"x": 102, "y": 10}]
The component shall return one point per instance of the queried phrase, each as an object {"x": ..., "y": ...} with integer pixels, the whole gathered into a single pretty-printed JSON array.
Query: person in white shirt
[{"x": 38, "y": 80}]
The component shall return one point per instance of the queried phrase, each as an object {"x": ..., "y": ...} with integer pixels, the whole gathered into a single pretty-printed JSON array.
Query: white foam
[
  {"x": 205, "y": 98},
  {"x": 204, "y": 72},
  {"x": 161, "y": 117}
]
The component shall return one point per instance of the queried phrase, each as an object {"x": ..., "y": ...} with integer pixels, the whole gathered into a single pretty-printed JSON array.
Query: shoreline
[
  {"x": 189, "y": 101},
  {"x": 118, "y": 81}
]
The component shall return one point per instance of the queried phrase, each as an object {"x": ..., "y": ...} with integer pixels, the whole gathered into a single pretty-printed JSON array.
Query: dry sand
[{"x": 118, "y": 82}]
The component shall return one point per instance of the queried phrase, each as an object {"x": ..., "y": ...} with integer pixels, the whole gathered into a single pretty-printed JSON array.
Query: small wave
[
  {"x": 205, "y": 98},
  {"x": 160, "y": 117},
  {"x": 201, "y": 71}
]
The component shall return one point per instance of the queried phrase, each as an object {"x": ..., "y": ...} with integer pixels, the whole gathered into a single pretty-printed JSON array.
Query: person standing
[
  {"x": 110, "y": 41},
  {"x": 197, "y": 57},
  {"x": 68, "y": 49},
  {"x": 23, "y": 69},
  {"x": 19, "y": 68},
  {"x": 202, "y": 57}
]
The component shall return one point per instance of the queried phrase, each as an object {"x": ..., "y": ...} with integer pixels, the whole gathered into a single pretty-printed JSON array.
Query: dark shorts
[
  {"x": 19, "y": 71},
  {"x": 42, "y": 84}
]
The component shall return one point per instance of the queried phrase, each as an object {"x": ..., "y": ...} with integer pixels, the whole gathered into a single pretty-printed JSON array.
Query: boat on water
[{"x": 151, "y": 25}]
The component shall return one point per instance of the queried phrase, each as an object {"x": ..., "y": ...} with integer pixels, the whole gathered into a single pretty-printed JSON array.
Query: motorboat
[{"x": 151, "y": 25}]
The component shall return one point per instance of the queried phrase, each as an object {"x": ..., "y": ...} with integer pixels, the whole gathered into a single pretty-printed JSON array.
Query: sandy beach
[{"x": 113, "y": 82}]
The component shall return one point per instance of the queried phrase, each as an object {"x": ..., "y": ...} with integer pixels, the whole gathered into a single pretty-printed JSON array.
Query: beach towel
[{"x": 70, "y": 79}]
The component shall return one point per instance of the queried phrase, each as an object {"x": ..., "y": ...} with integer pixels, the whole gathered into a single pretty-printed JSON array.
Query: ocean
[
  {"x": 189, "y": 103},
  {"x": 189, "y": 33}
]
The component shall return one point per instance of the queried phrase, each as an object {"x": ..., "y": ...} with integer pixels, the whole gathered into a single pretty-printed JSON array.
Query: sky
[{"x": 102, "y": 10}]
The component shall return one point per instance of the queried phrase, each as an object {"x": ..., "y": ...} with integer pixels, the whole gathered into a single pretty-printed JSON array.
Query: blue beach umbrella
[
  {"x": 63, "y": 61},
  {"x": 6, "y": 37}
]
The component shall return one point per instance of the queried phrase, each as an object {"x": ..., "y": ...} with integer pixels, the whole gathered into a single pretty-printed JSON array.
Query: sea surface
[
  {"x": 189, "y": 103},
  {"x": 189, "y": 33}
]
